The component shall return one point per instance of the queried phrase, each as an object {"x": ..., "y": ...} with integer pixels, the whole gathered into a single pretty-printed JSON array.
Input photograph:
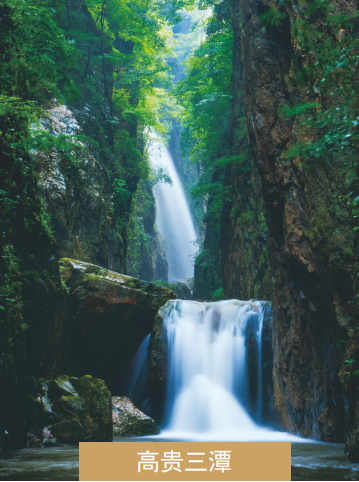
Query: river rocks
[
  {"x": 128, "y": 420},
  {"x": 110, "y": 316},
  {"x": 70, "y": 432},
  {"x": 70, "y": 410}
]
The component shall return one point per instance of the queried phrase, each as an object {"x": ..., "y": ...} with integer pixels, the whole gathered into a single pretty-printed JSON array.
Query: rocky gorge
[{"x": 83, "y": 264}]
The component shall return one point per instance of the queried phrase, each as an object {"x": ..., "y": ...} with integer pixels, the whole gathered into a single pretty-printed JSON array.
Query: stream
[{"x": 310, "y": 461}]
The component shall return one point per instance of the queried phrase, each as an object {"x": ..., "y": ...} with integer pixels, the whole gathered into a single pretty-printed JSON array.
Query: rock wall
[
  {"x": 310, "y": 244},
  {"x": 245, "y": 269},
  {"x": 77, "y": 195}
]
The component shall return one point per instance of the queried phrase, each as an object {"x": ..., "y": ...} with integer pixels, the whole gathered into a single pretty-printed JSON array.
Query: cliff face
[
  {"x": 310, "y": 243},
  {"x": 76, "y": 194}
]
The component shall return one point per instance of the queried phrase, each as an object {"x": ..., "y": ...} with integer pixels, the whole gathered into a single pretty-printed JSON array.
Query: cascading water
[
  {"x": 173, "y": 218},
  {"x": 208, "y": 385}
]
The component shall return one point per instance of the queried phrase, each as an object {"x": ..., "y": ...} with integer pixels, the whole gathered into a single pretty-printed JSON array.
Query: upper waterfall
[{"x": 173, "y": 218}]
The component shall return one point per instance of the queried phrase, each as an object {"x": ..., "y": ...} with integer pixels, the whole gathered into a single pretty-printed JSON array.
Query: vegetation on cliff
[
  {"x": 268, "y": 105},
  {"x": 81, "y": 85}
]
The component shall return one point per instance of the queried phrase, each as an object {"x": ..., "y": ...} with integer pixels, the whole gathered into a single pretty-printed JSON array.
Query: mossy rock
[
  {"x": 85, "y": 401},
  {"x": 69, "y": 432},
  {"x": 110, "y": 315},
  {"x": 51, "y": 442}
]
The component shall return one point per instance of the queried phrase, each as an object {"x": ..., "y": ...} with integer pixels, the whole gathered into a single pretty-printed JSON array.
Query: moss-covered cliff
[
  {"x": 72, "y": 153},
  {"x": 311, "y": 248}
]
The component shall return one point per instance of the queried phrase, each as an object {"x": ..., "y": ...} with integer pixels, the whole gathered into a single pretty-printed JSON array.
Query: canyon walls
[{"x": 311, "y": 249}]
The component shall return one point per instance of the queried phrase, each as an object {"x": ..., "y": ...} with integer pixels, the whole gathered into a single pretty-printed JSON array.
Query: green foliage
[
  {"x": 272, "y": 18},
  {"x": 140, "y": 228},
  {"x": 138, "y": 242},
  {"x": 332, "y": 76},
  {"x": 207, "y": 281},
  {"x": 159, "y": 174},
  {"x": 218, "y": 295},
  {"x": 205, "y": 98}
]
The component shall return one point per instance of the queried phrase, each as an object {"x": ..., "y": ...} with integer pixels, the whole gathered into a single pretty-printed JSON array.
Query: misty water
[{"x": 173, "y": 218}]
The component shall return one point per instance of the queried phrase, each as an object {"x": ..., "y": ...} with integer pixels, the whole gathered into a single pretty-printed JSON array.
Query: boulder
[
  {"x": 110, "y": 315},
  {"x": 183, "y": 288},
  {"x": 129, "y": 421},
  {"x": 70, "y": 409}
]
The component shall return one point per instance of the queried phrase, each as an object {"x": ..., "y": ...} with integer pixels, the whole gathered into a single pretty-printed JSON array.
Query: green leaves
[
  {"x": 159, "y": 174},
  {"x": 121, "y": 194},
  {"x": 273, "y": 17},
  {"x": 332, "y": 76}
]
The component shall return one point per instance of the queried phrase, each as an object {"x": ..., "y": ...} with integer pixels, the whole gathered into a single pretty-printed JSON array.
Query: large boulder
[
  {"x": 182, "y": 288},
  {"x": 128, "y": 420},
  {"x": 69, "y": 409},
  {"x": 110, "y": 315}
]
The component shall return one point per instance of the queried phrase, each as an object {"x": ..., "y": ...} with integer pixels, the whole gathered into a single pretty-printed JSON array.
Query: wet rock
[
  {"x": 183, "y": 288},
  {"x": 69, "y": 432},
  {"x": 308, "y": 237},
  {"x": 157, "y": 368},
  {"x": 77, "y": 200},
  {"x": 71, "y": 410},
  {"x": 128, "y": 420},
  {"x": 111, "y": 315}
]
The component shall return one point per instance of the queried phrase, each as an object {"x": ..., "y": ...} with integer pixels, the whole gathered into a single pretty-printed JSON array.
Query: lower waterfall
[{"x": 208, "y": 384}]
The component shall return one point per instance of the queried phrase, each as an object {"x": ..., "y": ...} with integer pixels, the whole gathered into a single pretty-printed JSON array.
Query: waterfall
[
  {"x": 173, "y": 217},
  {"x": 140, "y": 363},
  {"x": 207, "y": 365},
  {"x": 138, "y": 385}
]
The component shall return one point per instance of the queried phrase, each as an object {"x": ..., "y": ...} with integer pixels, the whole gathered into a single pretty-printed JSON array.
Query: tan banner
[{"x": 167, "y": 461}]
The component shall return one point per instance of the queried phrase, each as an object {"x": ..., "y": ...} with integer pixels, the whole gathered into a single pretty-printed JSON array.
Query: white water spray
[
  {"x": 207, "y": 371},
  {"x": 173, "y": 220}
]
